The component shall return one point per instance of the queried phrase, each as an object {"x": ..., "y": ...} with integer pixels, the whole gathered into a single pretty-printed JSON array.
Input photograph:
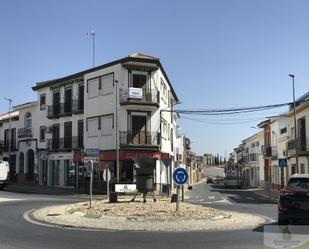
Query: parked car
[
  {"x": 4, "y": 173},
  {"x": 209, "y": 180},
  {"x": 293, "y": 203},
  {"x": 232, "y": 182}
]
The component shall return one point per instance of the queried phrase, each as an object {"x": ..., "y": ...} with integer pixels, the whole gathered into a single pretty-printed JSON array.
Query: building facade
[{"x": 118, "y": 114}]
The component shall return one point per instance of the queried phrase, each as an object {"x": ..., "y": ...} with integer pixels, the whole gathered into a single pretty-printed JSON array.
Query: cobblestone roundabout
[{"x": 150, "y": 216}]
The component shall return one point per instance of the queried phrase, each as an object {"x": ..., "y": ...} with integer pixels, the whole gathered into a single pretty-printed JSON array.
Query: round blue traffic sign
[{"x": 180, "y": 176}]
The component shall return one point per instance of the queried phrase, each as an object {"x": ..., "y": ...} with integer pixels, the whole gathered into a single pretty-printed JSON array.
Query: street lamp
[
  {"x": 117, "y": 132},
  {"x": 295, "y": 127},
  {"x": 92, "y": 33},
  {"x": 10, "y": 130}
]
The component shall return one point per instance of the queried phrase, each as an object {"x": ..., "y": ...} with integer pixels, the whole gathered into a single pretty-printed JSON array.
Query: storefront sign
[
  {"x": 93, "y": 158},
  {"x": 125, "y": 188},
  {"x": 130, "y": 155}
]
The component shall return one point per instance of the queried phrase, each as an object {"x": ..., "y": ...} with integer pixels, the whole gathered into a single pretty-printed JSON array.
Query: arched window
[
  {"x": 28, "y": 120},
  {"x": 21, "y": 162}
]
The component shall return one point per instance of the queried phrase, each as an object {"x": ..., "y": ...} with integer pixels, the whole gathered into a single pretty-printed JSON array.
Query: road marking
[
  {"x": 224, "y": 200},
  {"x": 211, "y": 197}
]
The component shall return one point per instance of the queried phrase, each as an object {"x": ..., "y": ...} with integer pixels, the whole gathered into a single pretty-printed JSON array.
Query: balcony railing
[
  {"x": 66, "y": 143},
  {"x": 141, "y": 96},
  {"x": 25, "y": 132},
  {"x": 139, "y": 138},
  {"x": 270, "y": 151},
  {"x": 65, "y": 109},
  {"x": 300, "y": 145},
  {"x": 6, "y": 144},
  {"x": 78, "y": 106}
]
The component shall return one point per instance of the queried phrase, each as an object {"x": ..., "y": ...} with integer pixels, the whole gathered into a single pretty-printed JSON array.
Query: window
[
  {"x": 28, "y": 120},
  {"x": 42, "y": 101},
  {"x": 93, "y": 88},
  {"x": 164, "y": 129},
  {"x": 42, "y": 133},
  {"x": 107, "y": 82},
  {"x": 283, "y": 130},
  {"x": 107, "y": 125},
  {"x": 92, "y": 127},
  {"x": 139, "y": 80}
]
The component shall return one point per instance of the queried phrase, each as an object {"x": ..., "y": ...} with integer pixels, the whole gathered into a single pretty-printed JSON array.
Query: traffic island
[{"x": 149, "y": 216}]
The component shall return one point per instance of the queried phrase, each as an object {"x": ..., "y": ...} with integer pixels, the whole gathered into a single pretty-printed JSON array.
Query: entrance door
[
  {"x": 45, "y": 176},
  {"x": 30, "y": 163},
  {"x": 68, "y": 135},
  {"x": 56, "y": 136},
  {"x": 80, "y": 133},
  {"x": 139, "y": 135},
  {"x": 68, "y": 100}
]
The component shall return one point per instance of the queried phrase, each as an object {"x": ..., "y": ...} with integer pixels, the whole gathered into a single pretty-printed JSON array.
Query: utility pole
[
  {"x": 92, "y": 33},
  {"x": 295, "y": 125},
  {"x": 10, "y": 130}
]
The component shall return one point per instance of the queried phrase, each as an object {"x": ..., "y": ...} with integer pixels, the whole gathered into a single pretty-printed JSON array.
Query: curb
[{"x": 113, "y": 224}]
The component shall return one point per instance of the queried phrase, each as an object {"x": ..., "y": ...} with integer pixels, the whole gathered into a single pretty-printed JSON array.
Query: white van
[{"x": 4, "y": 173}]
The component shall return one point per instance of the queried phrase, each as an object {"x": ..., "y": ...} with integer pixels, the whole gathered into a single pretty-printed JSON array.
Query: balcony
[
  {"x": 301, "y": 146},
  {"x": 270, "y": 152},
  {"x": 139, "y": 139},
  {"x": 140, "y": 96},
  {"x": 6, "y": 145},
  {"x": 65, "y": 144},
  {"x": 76, "y": 106},
  {"x": 25, "y": 132}
]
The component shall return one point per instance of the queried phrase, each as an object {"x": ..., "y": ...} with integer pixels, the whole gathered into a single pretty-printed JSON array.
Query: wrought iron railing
[
  {"x": 139, "y": 138},
  {"x": 65, "y": 143},
  {"x": 24, "y": 132},
  {"x": 300, "y": 145},
  {"x": 148, "y": 96}
]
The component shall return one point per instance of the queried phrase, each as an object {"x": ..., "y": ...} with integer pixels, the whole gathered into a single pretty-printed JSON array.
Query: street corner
[{"x": 139, "y": 216}]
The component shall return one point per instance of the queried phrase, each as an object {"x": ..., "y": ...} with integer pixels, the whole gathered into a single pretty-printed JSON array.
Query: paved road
[{"x": 16, "y": 233}]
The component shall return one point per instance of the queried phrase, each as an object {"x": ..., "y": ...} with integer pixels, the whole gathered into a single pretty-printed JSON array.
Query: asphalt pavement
[{"x": 17, "y": 233}]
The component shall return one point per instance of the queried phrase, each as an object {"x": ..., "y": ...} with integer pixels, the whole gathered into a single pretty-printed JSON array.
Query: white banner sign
[
  {"x": 125, "y": 188},
  {"x": 135, "y": 93}
]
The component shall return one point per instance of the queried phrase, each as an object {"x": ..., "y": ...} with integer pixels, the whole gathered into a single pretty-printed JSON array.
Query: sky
[{"x": 217, "y": 53}]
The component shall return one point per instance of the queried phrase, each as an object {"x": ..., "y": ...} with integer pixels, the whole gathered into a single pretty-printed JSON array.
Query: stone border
[{"x": 58, "y": 216}]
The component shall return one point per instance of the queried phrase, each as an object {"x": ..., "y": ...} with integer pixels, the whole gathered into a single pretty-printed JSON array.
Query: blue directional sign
[
  {"x": 180, "y": 176},
  {"x": 283, "y": 162}
]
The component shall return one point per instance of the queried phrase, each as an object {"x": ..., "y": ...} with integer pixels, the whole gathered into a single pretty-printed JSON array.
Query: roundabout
[{"x": 138, "y": 216}]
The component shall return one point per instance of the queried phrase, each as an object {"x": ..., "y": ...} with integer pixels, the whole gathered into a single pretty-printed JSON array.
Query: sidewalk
[
  {"x": 272, "y": 194},
  {"x": 31, "y": 188}
]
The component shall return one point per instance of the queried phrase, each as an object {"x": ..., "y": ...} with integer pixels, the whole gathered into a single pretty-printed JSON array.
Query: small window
[
  {"x": 92, "y": 127},
  {"x": 42, "y": 101},
  {"x": 107, "y": 125},
  {"x": 107, "y": 83},
  {"x": 93, "y": 88},
  {"x": 42, "y": 133}
]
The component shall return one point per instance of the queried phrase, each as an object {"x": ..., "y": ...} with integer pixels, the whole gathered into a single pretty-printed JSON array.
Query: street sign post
[
  {"x": 180, "y": 177},
  {"x": 107, "y": 178},
  {"x": 90, "y": 162}
]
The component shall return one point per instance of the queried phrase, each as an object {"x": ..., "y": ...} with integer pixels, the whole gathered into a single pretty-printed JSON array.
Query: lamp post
[
  {"x": 117, "y": 132},
  {"x": 10, "y": 130},
  {"x": 295, "y": 125},
  {"x": 92, "y": 33}
]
